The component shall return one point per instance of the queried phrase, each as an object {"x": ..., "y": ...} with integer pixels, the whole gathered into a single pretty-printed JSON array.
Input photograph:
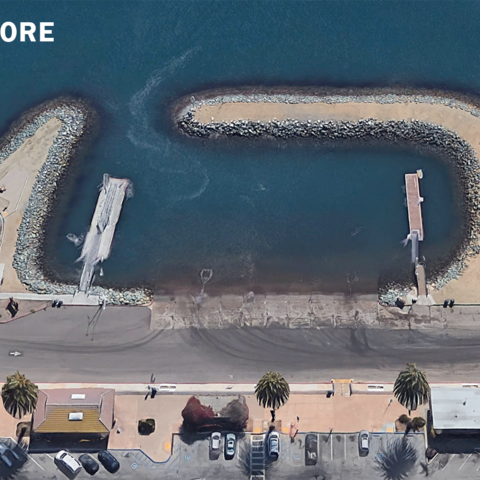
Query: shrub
[{"x": 195, "y": 414}]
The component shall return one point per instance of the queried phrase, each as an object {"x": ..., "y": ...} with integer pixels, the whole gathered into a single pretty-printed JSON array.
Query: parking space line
[
  {"x": 331, "y": 448},
  {"x": 49, "y": 456},
  {"x": 478, "y": 469},
  {"x": 345, "y": 447},
  {"x": 445, "y": 466},
  {"x": 466, "y": 460},
  {"x": 34, "y": 461}
]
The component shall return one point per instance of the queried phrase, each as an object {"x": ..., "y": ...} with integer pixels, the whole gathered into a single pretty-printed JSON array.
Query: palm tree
[
  {"x": 411, "y": 388},
  {"x": 19, "y": 395},
  {"x": 396, "y": 460},
  {"x": 272, "y": 391}
]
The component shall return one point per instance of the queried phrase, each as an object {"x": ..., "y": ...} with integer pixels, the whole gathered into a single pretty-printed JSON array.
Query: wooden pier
[
  {"x": 415, "y": 220},
  {"x": 98, "y": 240},
  {"x": 414, "y": 204}
]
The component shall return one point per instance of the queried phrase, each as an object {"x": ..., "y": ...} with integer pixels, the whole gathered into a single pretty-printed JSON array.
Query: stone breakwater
[
  {"x": 308, "y": 95},
  {"x": 419, "y": 134},
  {"x": 29, "y": 261}
]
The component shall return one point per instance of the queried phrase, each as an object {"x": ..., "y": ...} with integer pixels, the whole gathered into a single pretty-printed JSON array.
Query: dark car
[
  {"x": 89, "y": 463},
  {"x": 108, "y": 461},
  {"x": 311, "y": 449},
  {"x": 7, "y": 455}
]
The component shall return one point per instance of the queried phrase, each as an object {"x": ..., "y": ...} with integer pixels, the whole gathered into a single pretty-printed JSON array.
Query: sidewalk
[
  {"x": 372, "y": 412},
  {"x": 79, "y": 298},
  {"x": 372, "y": 389}
]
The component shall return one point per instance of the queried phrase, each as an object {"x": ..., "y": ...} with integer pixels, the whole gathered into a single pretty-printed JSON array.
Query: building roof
[
  {"x": 93, "y": 406},
  {"x": 456, "y": 408}
]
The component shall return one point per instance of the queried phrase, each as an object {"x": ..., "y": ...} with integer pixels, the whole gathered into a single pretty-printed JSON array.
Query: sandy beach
[
  {"x": 466, "y": 125},
  {"x": 18, "y": 173}
]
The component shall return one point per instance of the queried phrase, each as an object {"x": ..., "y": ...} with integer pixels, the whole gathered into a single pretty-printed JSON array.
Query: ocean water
[{"x": 263, "y": 215}]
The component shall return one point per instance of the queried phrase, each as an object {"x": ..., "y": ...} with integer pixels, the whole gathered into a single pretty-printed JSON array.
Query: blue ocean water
[{"x": 270, "y": 216}]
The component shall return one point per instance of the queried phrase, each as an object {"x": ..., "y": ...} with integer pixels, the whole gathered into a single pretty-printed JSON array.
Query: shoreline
[
  {"x": 437, "y": 122},
  {"x": 76, "y": 117}
]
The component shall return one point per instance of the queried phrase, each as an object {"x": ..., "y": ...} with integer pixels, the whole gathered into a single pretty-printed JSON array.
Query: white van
[{"x": 70, "y": 463}]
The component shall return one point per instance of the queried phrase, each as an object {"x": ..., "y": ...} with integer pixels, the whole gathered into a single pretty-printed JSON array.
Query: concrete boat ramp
[{"x": 98, "y": 240}]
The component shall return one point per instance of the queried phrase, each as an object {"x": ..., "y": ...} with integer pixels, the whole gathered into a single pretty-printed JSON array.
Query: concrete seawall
[{"x": 446, "y": 125}]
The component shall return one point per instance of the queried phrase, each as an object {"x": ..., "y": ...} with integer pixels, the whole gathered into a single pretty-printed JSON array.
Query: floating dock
[
  {"x": 414, "y": 204},
  {"x": 98, "y": 240}
]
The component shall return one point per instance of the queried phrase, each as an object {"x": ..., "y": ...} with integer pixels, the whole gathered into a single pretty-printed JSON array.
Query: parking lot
[
  {"x": 458, "y": 466},
  {"x": 187, "y": 461},
  {"x": 338, "y": 457},
  {"x": 41, "y": 466}
]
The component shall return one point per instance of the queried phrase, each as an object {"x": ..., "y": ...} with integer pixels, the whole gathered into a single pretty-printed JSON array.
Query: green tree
[
  {"x": 19, "y": 395},
  {"x": 415, "y": 425},
  {"x": 272, "y": 391},
  {"x": 411, "y": 388},
  {"x": 397, "y": 460}
]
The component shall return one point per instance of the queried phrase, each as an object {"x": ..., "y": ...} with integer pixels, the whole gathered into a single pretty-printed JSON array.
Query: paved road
[{"x": 72, "y": 344}]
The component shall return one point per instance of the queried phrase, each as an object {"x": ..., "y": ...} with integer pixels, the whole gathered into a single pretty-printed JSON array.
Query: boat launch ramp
[{"x": 98, "y": 240}]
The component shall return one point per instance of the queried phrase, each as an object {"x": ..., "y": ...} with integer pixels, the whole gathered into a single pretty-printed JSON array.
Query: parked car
[
  {"x": 4, "y": 457},
  {"x": 108, "y": 461},
  {"x": 230, "y": 443},
  {"x": 66, "y": 460},
  {"x": 215, "y": 441},
  {"x": 89, "y": 463},
  {"x": 7, "y": 455},
  {"x": 274, "y": 444},
  {"x": 311, "y": 449},
  {"x": 364, "y": 442}
]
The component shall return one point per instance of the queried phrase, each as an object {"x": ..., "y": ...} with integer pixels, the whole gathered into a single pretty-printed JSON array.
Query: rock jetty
[
  {"x": 76, "y": 117},
  {"x": 428, "y": 137}
]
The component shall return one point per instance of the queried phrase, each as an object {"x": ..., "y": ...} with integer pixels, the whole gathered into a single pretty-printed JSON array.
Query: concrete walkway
[
  {"x": 242, "y": 388},
  {"x": 79, "y": 298}
]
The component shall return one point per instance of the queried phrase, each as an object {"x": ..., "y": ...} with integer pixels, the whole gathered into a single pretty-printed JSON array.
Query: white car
[
  {"x": 230, "y": 441},
  {"x": 274, "y": 444},
  {"x": 215, "y": 441},
  {"x": 364, "y": 442},
  {"x": 70, "y": 463}
]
